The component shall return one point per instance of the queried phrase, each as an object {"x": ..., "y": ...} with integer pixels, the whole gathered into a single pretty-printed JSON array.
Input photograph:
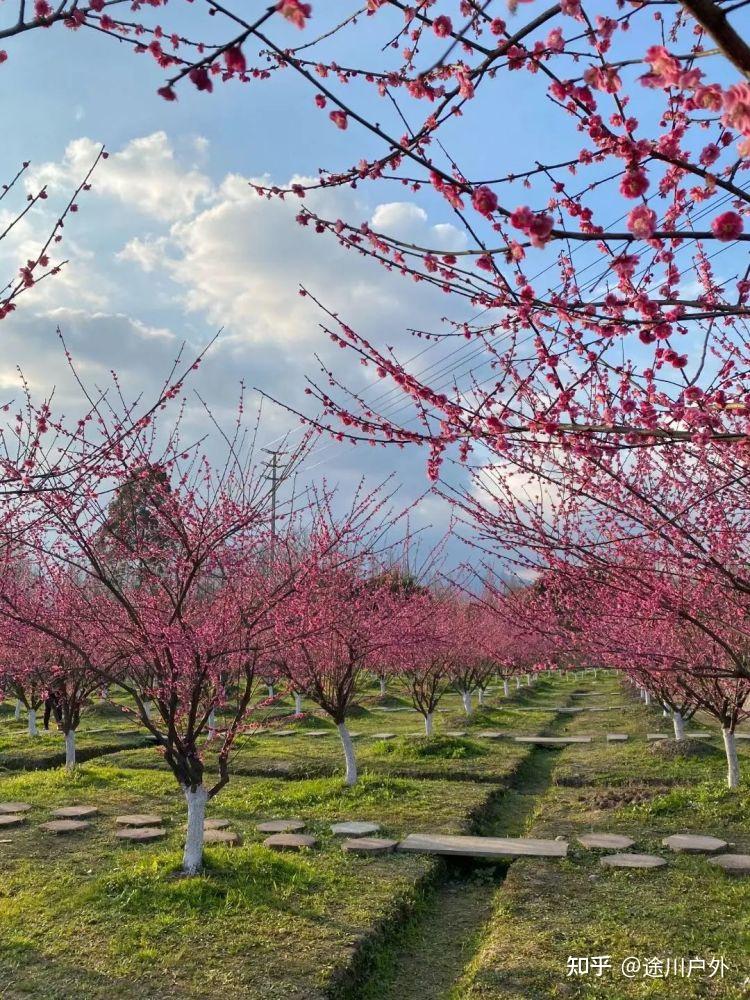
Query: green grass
[
  {"x": 300, "y": 756},
  {"x": 89, "y": 916},
  {"x": 104, "y": 729},
  {"x": 421, "y": 748},
  {"x": 547, "y": 911}
]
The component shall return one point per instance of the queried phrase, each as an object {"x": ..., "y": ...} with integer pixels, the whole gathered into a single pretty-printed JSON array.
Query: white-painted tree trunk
[
  {"x": 271, "y": 692},
  {"x": 17, "y": 714},
  {"x": 518, "y": 683},
  {"x": 528, "y": 680},
  {"x": 506, "y": 689},
  {"x": 297, "y": 703},
  {"x": 212, "y": 724},
  {"x": 466, "y": 699},
  {"x": 382, "y": 686},
  {"x": 679, "y": 726},
  {"x": 33, "y": 731},
  {"x": 192, "y": 858},
  {"x": 147, "y": 709},
  {"x": 104, "y": 693},
  {"x": 733, "y": 762},
  {"x": 70, "y": 749},
  {"x": 480, "y": 696},
  {"x": 647, "y": 699},
  {"x": 595, "y": 673},
  {"x": 351, "y": 763},
  {"x": 428, "y": 724}
]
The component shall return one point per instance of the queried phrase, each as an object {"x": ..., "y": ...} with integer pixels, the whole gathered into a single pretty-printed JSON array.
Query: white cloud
[
  {"x": 145, "y": 175},
  {"x": 495, "y": 482},
  {"x": 216, "y": 254},
  {"x": 409, "y": 222},
  {"x": 397, "y": 215},
  {"x": 65, "y": 317},
  {"x": 148, "y": 253}
]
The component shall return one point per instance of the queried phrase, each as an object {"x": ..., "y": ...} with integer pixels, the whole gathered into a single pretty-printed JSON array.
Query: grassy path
[{"x": 435, "y": 948}]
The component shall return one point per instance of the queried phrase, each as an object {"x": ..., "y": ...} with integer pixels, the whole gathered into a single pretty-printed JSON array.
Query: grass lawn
[
  {"x": 545, "y": 912},
  {"x": 408, "y": 754},
  {"x": 88, "y": 916},
  {"x": 103, "y": 729}
]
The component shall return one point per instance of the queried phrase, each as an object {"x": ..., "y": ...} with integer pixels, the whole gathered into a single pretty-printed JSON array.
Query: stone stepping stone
[
  {"x": 552, "y": 741},
  {"x": 75, "y": 812},
  {"x": 632, "y": 861},
  {"x": 657, "y": 736},
  {"x": 64, "y": 825},
  {"x": 699, "y": 736},
  {"x": 289, "y": 841},
  {"x": 14, "y": 807},
  {"x": 228, "y": 838},
  {"x": 483, "y": 847},
  {"x": 570, "y": 711},
  {"x": 369, "y": 845},
  {"x": 457, "y": 733},
  {"x": 490, "y": 734},
  {"x": 606, "y": 841},
  {"x": 742, "y": 736},
  {"x": 215, "y": 824},
  {"x": 317, "y": 732},
  {"x": 281, "y": 826},
  {"x": 138, "y": 819},
  {"x": 141, "y": 833},
  {"x": 383, "y": 736},
  {"x": 617, "y": 737},
  {"x": 733, "y": 864},
  {"x": 281, "y": 732},
  {"x": 695, "y": 844},
  {"x": 12, "y": 819},
  {"x": 354, "y": 829}
]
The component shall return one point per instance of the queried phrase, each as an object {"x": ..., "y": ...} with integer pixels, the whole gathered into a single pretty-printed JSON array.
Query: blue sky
[{"x": 171, "y": 243}]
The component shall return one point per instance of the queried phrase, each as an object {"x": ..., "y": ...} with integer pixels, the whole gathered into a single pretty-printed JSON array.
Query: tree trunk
[
  {"x": 595, "y": 673},
  {"x": 528, "y": 680},
  {"x": 647, "y": 699},
  {"x": 271, "y": 692},
  {"x": 147, "y": 709},
  {"x": 480, "y": 696},
  {"x": 733, "y": 763},
  {"x": 428, "y": 724},
  {"x": 297, "y": 704},
  {"x": 679, "y": 726},
  {"x": 506, "y": 689},
  {"x": 351, "y": 763},
  {"x": 192, "y": 858},
  {"x": 33, "y": 731},
  {"x": 518, "y": 683},
  {"x": 104, "y": 693},
  {"x": 212, "y": 724},
  {"x": 382, "y": 687},
  {"x": 466, "y": 699},
  {"x": 17, "y": 714},
  {"x": 70, "y": 749}
]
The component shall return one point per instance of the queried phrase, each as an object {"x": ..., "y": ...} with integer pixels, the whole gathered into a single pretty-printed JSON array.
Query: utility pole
[{"x": 275, "y": 483}]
